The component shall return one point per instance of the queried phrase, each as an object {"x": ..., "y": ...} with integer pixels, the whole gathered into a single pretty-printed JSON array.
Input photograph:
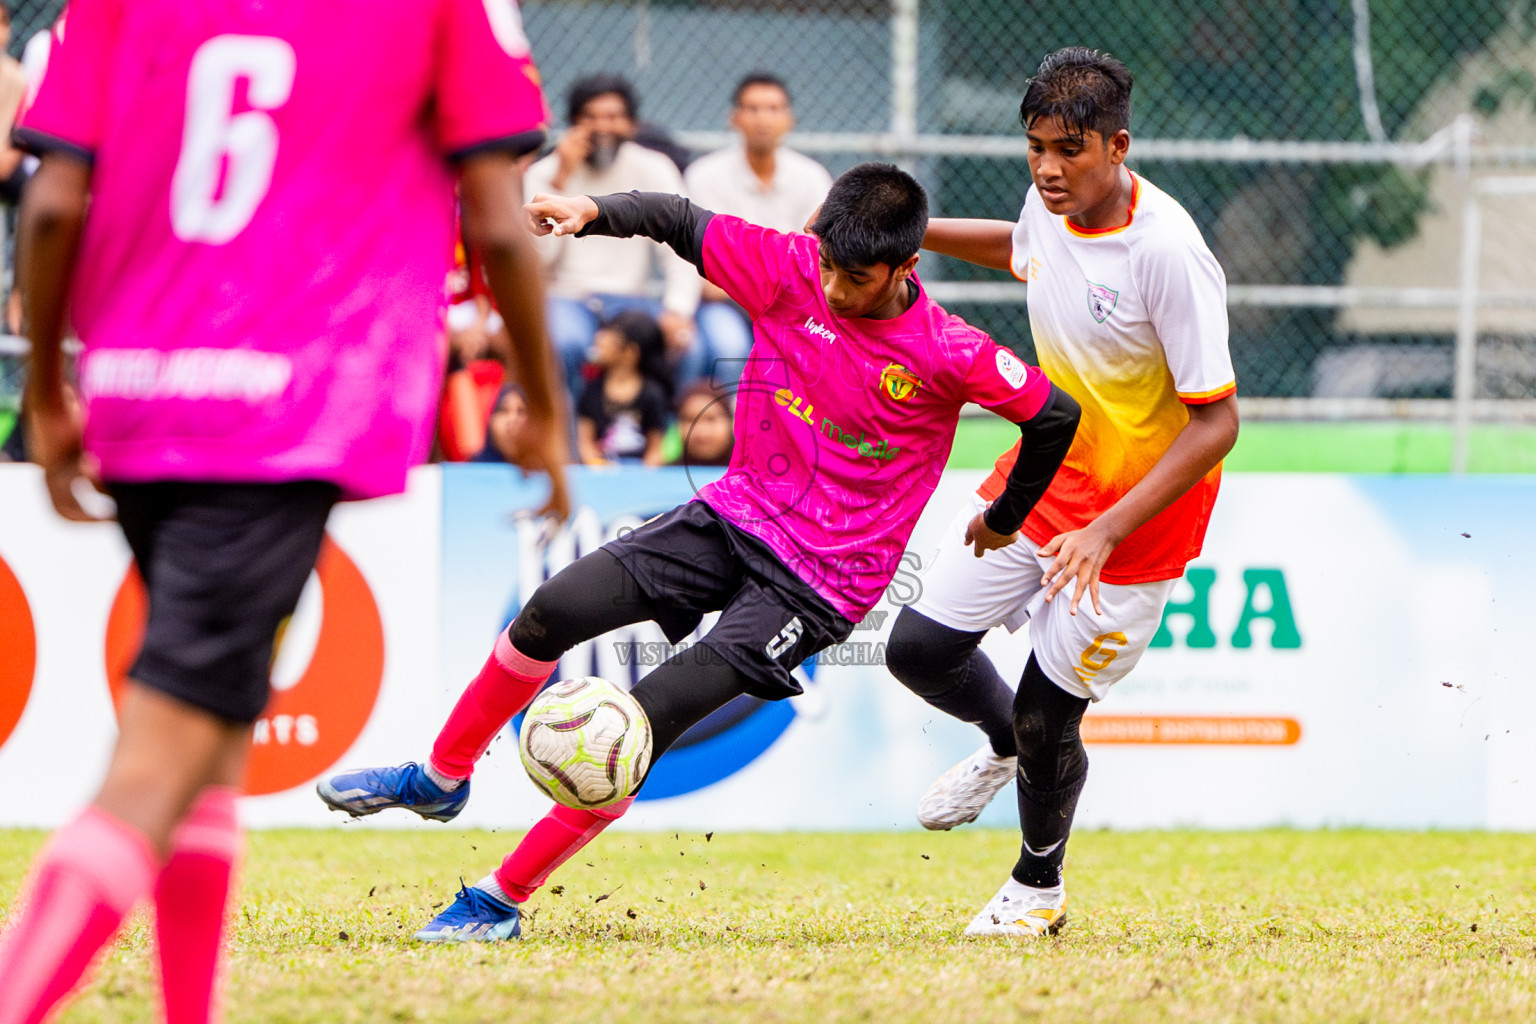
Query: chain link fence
[{"x": 1331, "y": 151}]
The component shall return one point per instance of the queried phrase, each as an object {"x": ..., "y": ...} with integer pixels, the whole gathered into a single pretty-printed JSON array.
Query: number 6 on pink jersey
[{"x": 202, "y": 210}]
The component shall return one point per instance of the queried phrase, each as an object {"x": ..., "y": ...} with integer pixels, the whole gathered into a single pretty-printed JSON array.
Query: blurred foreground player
[
  {"x": 1128, "y": 311},
  {"x": 845, "y": 415},
  {"x": 247, "y": 210}
]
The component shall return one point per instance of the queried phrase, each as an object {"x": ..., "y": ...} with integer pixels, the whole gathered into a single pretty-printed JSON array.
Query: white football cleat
[
  {"x": 963, "y": 792},
  {"x": 1022, "y": 911}
]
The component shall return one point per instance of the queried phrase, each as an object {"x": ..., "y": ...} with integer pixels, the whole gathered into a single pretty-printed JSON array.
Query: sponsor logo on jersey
[
  {"x": 819, "y": 330},
  {"x": 803, "y": 411},
  {"x": 1101, "y": 301},
  {"x": 898, "y": 383},
  {"x": 1013, "y": 369}
]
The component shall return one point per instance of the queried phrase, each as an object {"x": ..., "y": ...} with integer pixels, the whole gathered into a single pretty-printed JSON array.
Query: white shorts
[{"x": 1084, "y": 654}]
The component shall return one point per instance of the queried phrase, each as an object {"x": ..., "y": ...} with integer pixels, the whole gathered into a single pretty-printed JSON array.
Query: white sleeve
[
  {"x": 1018, "y": 262},
  {"x": 1186, "y": 296}
]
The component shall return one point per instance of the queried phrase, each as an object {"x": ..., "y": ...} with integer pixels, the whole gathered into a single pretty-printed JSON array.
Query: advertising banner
[
  {"x": 355, "y": 664},
  {"x": 1345, "y": 652},
  {"x": 1340, "y": 655}
]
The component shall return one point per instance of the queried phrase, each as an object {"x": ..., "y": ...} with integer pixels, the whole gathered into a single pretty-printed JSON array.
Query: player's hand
[
  {"x": 983, "y": 538},
  {"x": 1078, "y": 555},
  {"x": 677, "y": 329},
  {"x": 54, "y": 443},
  {"x": 542, "y": 448},
  {"x": 559, "y": 215}
]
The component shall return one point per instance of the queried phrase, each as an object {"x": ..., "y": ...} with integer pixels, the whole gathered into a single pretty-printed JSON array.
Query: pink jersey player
[
  {"x": 260, "y": 285},
  {"x": 246, "y": 208}
]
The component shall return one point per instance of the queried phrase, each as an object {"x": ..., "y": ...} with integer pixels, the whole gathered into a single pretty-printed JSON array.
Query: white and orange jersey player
[
  {"x": 1127, "y": 308},
  {"x": 245, "y": 209}
]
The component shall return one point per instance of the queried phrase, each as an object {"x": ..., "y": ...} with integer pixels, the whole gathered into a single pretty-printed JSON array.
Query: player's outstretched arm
[
  {"x": 660, "y": 216},
  {"x": 48, "y": 240},
  {"x": 491, "y": 190},
  {"x": 1201, "y": 445},
  {"x": 987, "y": 243}
]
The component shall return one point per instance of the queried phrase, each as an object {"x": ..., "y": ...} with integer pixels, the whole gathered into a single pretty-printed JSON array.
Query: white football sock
[
  {"x": 1014, "y": 889},
  {"x": 491, "y": 887},
  {"x": 444, "y": 782}
]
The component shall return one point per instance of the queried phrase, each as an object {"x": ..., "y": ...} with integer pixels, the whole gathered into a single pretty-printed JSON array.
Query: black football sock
[{"x": 1052, "y": 769}]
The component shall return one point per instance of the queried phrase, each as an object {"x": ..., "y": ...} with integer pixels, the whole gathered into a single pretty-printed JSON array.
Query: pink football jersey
[
  {"x": 260, "y": 285},
  {"x": 844, "y": 426}
]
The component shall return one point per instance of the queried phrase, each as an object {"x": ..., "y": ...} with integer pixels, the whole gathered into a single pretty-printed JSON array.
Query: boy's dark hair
[
  {"x": 585, "y": 90},
  {"x": 874, "y": 213},
  {"x": 760, "y": 78},
  {"x": 1083, "y": 89}
]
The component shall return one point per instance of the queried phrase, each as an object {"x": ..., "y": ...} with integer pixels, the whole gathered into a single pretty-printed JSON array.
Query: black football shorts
[
  {"x": 223, "y": 565},
  {"x": 691, "y": 561}
]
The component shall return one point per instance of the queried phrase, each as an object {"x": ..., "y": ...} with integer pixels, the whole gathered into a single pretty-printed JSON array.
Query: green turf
[
  {"x": 1166, "y": 926},
  {"x": 1314, "y": 447}
]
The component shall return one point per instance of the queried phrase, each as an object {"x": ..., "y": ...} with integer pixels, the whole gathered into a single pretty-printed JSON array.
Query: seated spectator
[
  {"x": 503, "y": 431},
  {"x": 707, "y": 427},
  {"x": 759, "y": 181},
  {"x": 623, "y": 411},
  {"x": 593, "y": 279}
]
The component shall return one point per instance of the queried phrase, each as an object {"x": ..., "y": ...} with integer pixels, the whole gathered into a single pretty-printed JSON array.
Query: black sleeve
[
  {"x": 669, "y": 219},
  {"x": 1047, "y": 436}
]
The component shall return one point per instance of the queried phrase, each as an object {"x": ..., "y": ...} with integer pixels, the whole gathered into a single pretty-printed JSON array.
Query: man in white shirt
[
  {"x": 759, "y": 181},
  {"x": 593, "y": 279}
]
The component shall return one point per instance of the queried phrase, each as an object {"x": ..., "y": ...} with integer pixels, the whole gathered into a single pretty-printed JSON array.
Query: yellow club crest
[{"x": 898, "y": 382}]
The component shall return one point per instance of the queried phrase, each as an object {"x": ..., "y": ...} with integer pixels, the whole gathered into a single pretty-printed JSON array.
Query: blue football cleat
[
  {"x": 371, "y": 790},
  {"x": 475, "y": 916}
]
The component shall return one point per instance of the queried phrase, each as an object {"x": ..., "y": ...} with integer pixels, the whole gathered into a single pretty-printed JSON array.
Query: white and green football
[{"x": 585, "y": 742}]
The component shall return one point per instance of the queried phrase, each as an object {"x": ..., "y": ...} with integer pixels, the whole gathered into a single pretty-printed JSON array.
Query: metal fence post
[
  {"x": 1464, "y": 383},
  {"x": 904, "y": 80}
]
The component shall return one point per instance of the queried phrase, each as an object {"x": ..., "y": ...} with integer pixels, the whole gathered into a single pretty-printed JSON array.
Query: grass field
[{"x": 1167, "y": 926}]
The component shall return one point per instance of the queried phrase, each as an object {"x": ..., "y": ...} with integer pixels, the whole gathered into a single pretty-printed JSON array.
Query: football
[{"x": 585, "y": 742}]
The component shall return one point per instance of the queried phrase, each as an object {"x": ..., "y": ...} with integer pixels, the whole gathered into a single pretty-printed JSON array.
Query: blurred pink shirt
[{"x": 260, "y": 287}]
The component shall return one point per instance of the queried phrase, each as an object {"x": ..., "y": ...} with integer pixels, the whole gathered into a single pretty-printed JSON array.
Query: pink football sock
[
  {"x": 190, "y": 899},
  {"x": 85, "y": 882},
  {"x": 505, "y": 686},
  {"x": 552, "y": 841}
]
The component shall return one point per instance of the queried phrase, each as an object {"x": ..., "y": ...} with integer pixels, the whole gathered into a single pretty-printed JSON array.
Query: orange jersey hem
[{"x": 1123, "y": 579}]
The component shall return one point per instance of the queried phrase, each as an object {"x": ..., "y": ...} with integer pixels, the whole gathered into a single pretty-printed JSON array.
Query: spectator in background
[
  {"x": 759, "y": 181},
  {"x": 623, "y": 411},
  {"x": 707, "y": 427},
  {"x": 593, "y": 279},
  {"x": 13, "y": 92},
  {"x": 503, "y": 431}
]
